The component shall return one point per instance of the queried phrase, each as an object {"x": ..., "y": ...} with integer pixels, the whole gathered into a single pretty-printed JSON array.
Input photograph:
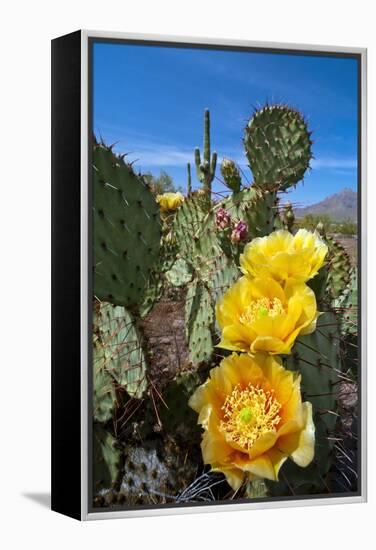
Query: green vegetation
[
  {"x": 311, "y": 221},
  {"x": 164, "y": 183}
]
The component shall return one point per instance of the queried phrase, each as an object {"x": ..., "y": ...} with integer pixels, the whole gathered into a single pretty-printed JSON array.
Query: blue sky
[{"x": 151, "y": 100}]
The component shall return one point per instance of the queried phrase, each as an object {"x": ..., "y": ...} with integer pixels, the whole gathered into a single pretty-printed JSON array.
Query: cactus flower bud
[
  {"x": 222, "y": 218},
  {"x": 231, "y": 175},
  {"x": 240, "y": 232}
]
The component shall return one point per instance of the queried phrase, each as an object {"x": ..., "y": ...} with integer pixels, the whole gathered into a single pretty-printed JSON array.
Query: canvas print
[{"x": 225, "y": 190}]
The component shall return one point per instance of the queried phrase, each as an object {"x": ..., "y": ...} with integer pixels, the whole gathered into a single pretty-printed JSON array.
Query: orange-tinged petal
[
  {"x": 261, "y": 467},
  {"x": 253, "y": 418},
  {"x": 300, "y": 445},
  {"x": 263, "y": 443},
  {"x": 234, "y": 476},
  {"x": 282, "y": 383},
  {"x": 214, "y": 448},
  {"x": 277, "y": 458}
]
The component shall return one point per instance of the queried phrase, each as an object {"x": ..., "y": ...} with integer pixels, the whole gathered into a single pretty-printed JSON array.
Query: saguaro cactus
[
  {"x": 206, "y": 169},
  {"x": 189, "y": 183}
]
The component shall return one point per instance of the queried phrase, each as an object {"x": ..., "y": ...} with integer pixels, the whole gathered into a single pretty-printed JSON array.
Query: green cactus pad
[
  {"x": 106, "y": 459},
  {"x": 317, "y": 358},
  {"x": 224, "y": 274},
  {"x": 122, "y": 354},
  {"x": 195, "y": 233},
  {"x": 278, "y": 147},
  {"x": 127, "y": 230},
  {"x": 199, "y": 319},
  {"x": 152, "y": 294},
  {"x": 104, "y": 397},
  {"x": 256, "y": 207},
  {"x": 178, "y": 418},
  {"x": 347, "y": 305},
  {"x": 339, "y": 268},
  {"x": 180, "y": 273},
  {"x": 231, "y": 175}
]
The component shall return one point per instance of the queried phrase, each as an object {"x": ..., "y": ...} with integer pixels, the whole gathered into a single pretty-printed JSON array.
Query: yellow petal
[
  {"x": 214, "y": 447},
  {"x": 261, "y": 467},
  {"x": 268, "y": 344},
  {"x": 266, "y": 287},
  {"x": 234, "y": 476},
  {"x": 263, "y": 443},
  {"x": 305, "y": 451},
  {"x": 277, "y": 458},
  {"x": 301, "y": 445},
  {"x": 283, "y": 256}
]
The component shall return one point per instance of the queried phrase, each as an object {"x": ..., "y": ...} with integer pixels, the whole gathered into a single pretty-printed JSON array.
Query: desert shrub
[
  {"x": 310, "y": 221},
  {"x": 347, "y": 227}
]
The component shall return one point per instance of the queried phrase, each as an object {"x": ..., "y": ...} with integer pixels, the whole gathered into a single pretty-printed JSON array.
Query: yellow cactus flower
[
  {"x": 259, "y": 315},
  {"x": 253, "y": 418},
  {"x": 284, "y": 256},
  {"x": 170, "y": 201}
]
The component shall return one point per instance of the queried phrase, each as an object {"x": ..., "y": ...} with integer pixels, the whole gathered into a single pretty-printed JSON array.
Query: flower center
[
  {"x": 249, "y": 414},
  {"x": 263, "y": 307}
]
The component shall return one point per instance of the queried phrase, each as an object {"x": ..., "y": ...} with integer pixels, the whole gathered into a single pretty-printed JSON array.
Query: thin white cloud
[
  {"x": 161, "y": 155},
  {"x": 334, "y": 163}
]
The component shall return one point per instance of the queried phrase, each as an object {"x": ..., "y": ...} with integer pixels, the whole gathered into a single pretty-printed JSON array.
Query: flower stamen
[
  {"x": 264, "y": 307},
  {"x": 249, "y": 414}
]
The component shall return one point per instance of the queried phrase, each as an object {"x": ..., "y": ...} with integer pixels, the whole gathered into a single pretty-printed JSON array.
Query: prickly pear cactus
[
  {"x": 120, "y": 352},
  {"x": 106, "y": 459},
  {"x": 152, "y": 293},
  {"x": 278, "y": 147},
  {"x": 231, "y": 175},
  {"x": 347, "y": 305},
  {"x": 257, "y": 208},
  {"x": 180, "y": 273},
  {"x": 199, "y": 322},
  {"x": 127, "y": 230},
  {"x": 195, "y": 233},
  {"x": 223, "y": 275},
  {"x": 177, "y": 417},
  {"x": 339, "y": 268},
  {"x": 317, "y": 357},
  {"x": 104, "y": 396}
]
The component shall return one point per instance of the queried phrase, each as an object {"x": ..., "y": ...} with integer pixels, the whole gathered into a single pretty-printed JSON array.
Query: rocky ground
[{"x": 164, "y": 330}]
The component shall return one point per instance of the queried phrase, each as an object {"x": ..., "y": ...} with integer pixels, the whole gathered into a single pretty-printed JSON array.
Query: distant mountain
[{"x": 340, "y": 206}]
